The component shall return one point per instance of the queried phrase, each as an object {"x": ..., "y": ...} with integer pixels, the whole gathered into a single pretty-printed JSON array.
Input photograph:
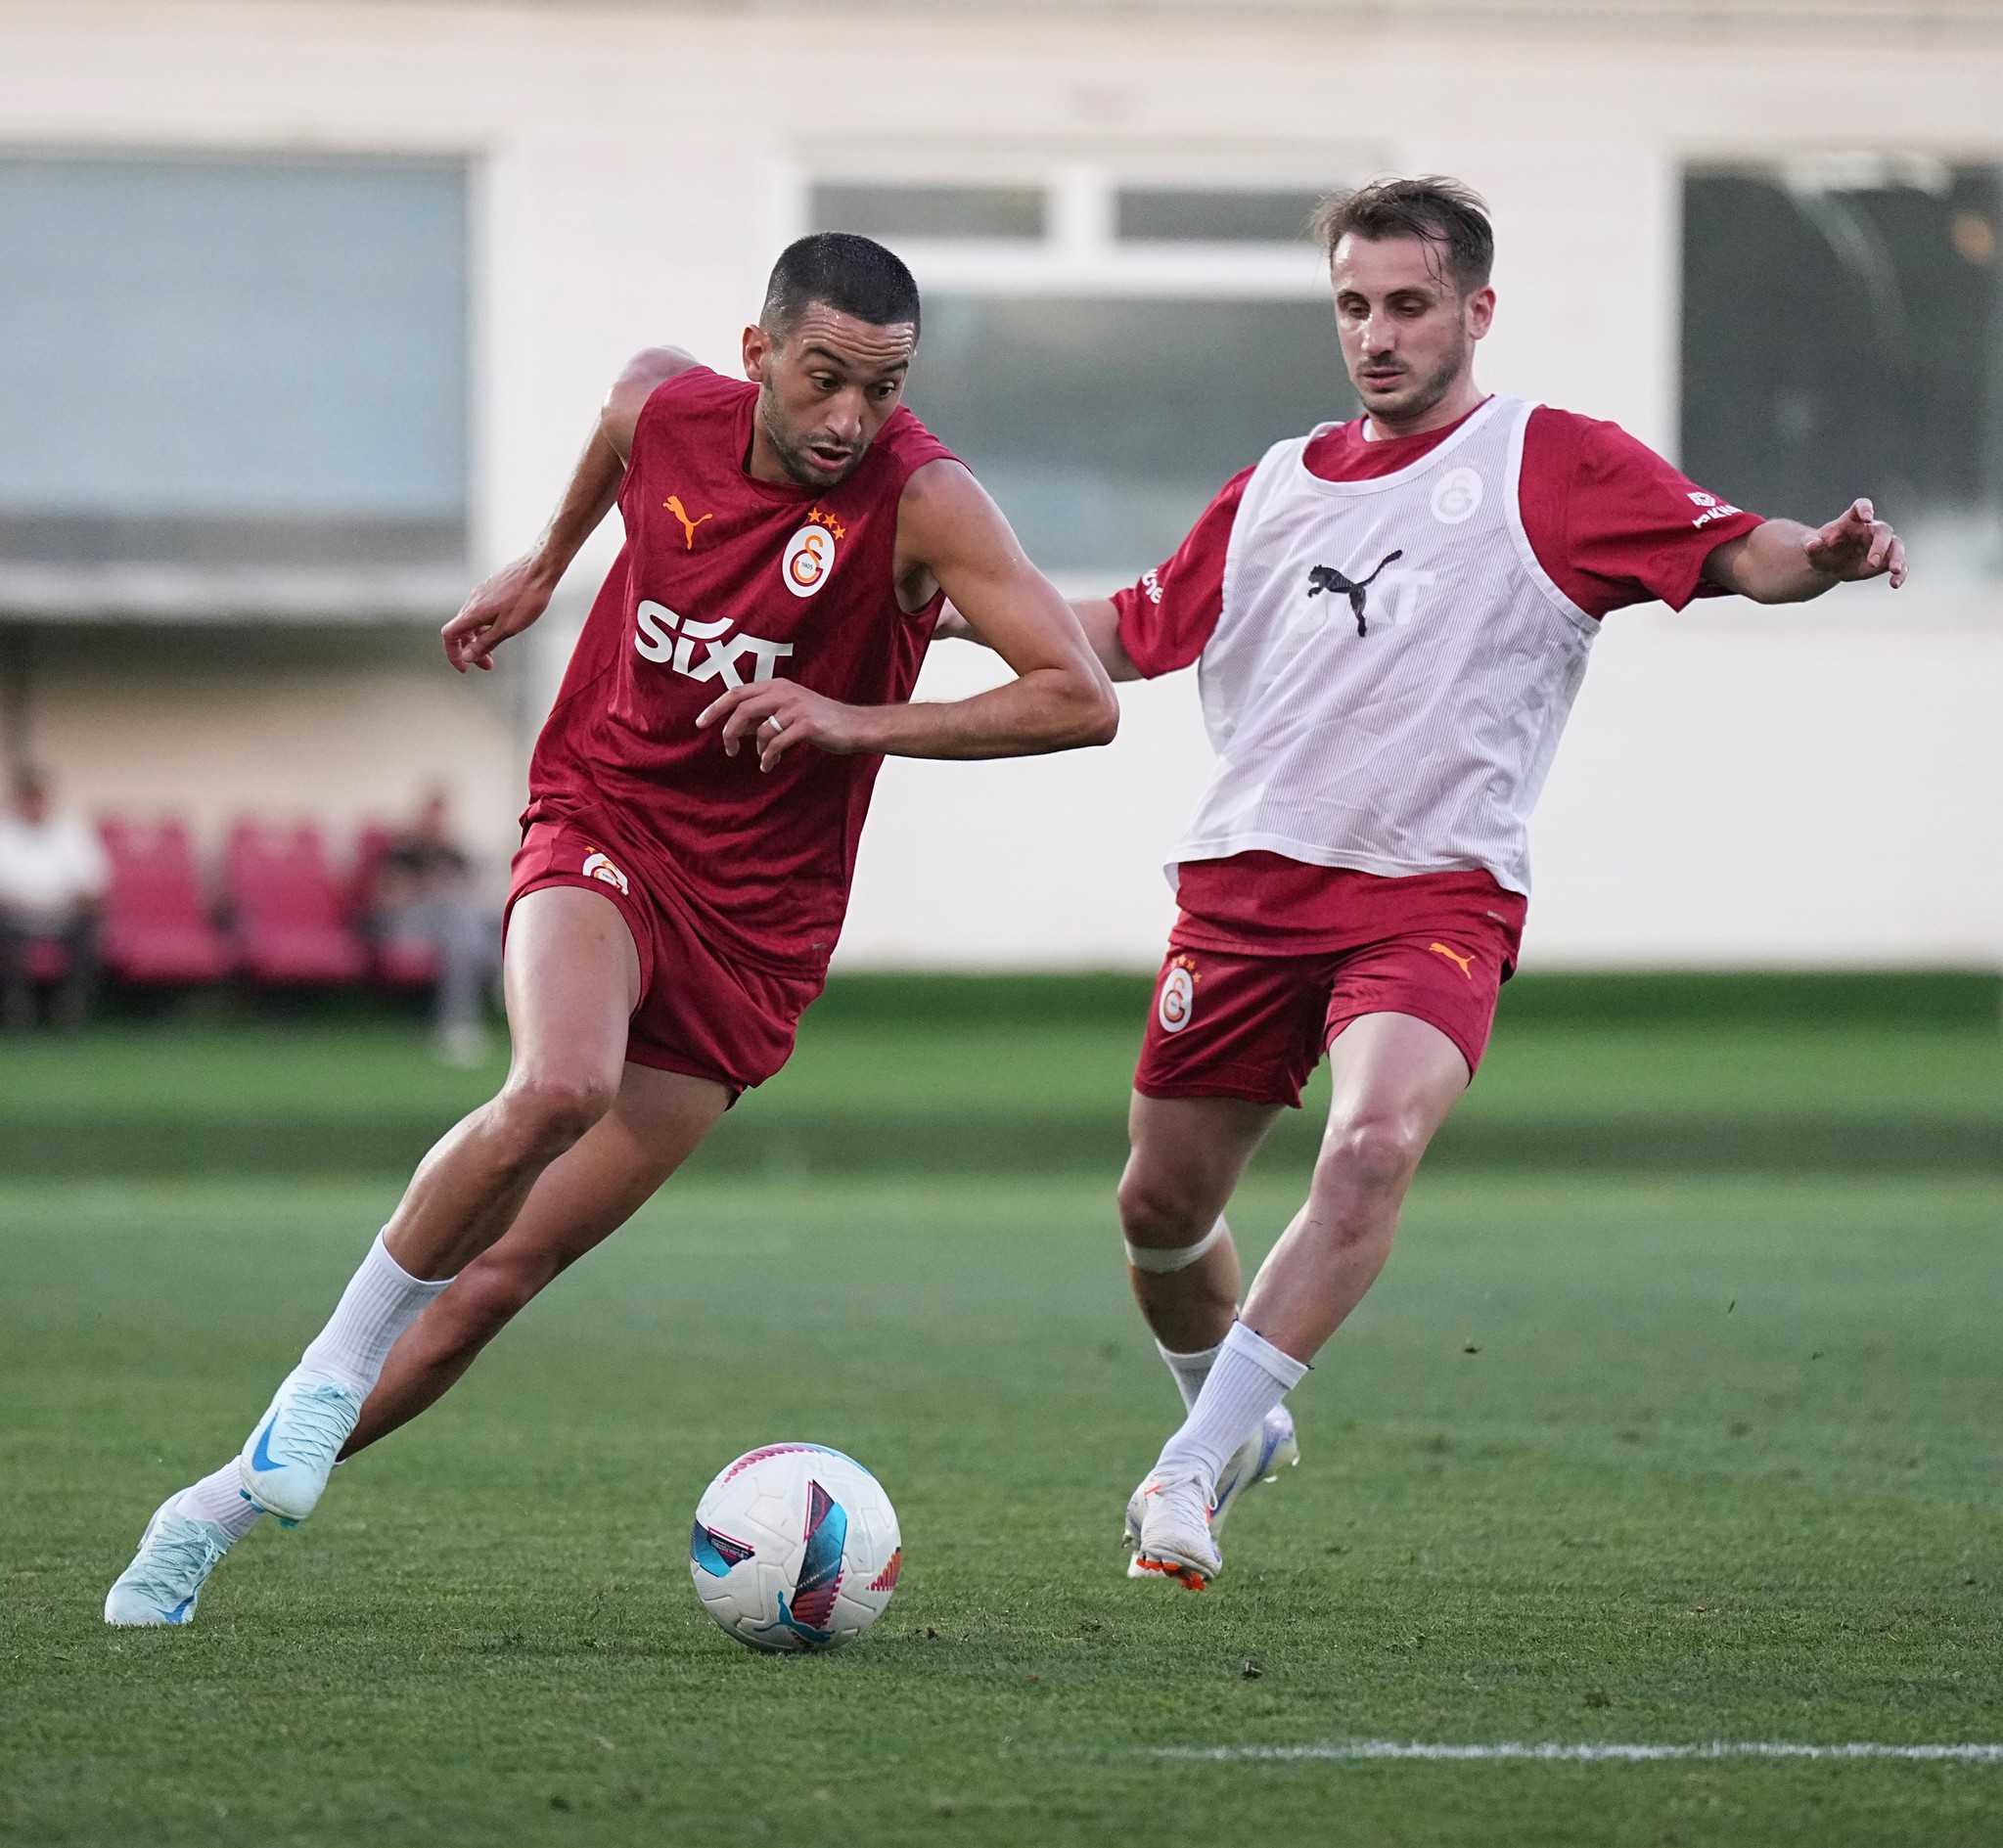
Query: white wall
[{"x": 1737, "y": 786}]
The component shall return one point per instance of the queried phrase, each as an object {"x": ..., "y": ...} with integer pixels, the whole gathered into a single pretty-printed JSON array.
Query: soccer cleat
[
  {"x": 291, "y": 1454},
  {"x": 1175, "y": 1539},
  {"x": 176, "y": 1555},
  {"x": 1260, "y": 1458}
]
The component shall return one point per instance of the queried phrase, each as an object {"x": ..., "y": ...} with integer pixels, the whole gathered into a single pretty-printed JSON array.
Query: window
[
  {"x": 931, "y": 211},
  {"x": 222, "y": 362},
  {"x": 1103, "y": 425},
  {"x": 1215, "y": 217},
  {"x": 1105, "y": 350},
  {"x": 1842, "y": 335}
]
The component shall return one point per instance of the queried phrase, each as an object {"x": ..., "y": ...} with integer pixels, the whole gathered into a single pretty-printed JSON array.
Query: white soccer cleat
[
  {"x": 1260, "y": 1458},
  {"x": 291, "y": 1454},
  {"x": 176, "y": 1555},
  {"x": 1174, "y": 1539}
]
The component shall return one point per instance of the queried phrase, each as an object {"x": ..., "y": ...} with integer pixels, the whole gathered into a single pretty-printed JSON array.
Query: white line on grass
[{"x": 1552, "y": 1752}]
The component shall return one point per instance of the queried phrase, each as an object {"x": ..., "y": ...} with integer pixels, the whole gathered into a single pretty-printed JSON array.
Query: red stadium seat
[
  {"x": 406, "y": 962},
  {"x": 399, "y": 962},
  {"x": 156, "y": 928},
  {"x": 286, "y": 909},
  {"x": 47, "y": 960},
  {"x": 370, "y": 845}
]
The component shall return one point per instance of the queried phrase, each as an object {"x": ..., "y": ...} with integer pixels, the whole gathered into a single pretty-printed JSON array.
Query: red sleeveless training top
[{"x": 725, "y": 581}]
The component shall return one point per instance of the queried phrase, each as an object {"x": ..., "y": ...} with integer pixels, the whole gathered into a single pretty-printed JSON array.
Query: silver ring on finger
[{"x": 777, "y": 724}]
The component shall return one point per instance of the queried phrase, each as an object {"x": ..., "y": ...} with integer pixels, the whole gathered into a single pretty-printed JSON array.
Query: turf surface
[{"x": 1602, "y": 1458}]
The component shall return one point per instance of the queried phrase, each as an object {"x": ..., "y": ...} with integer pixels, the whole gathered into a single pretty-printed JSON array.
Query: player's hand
[
  {"x": 504, "y": 606},
  {"x": 775, "y": 715},
  {"x": 1857, "y": 545}
]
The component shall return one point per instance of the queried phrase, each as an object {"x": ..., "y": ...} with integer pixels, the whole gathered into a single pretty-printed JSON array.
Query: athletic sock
[
  {"x": 220, "y": 1498},
  {"x": 1250, "y": 1377},
  {"x": 380, "y": 1301},
  {"x": 1189, "y": 1370}
]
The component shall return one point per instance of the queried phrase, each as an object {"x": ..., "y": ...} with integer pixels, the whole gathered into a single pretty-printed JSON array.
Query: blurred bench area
[{"x": 136, "y": 910}]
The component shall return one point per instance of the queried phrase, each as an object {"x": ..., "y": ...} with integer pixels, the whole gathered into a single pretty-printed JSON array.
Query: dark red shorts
[
  {"x": 700, "y": 1011},
  {"x": 1232, "y": 1024}
]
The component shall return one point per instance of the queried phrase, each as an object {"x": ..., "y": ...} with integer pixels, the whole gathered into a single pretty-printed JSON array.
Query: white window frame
[{"x": 1081, "y": 252}]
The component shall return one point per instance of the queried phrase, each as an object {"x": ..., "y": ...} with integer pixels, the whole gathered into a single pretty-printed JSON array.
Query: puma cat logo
[
  {"x": 675, "y": 506},
  {"x": 1461, "y": 962},
  {"x": 1323, "y": 577}
]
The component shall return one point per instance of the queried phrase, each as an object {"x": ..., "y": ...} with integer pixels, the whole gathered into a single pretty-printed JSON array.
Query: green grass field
[{"x": 1655, "y": 1456}]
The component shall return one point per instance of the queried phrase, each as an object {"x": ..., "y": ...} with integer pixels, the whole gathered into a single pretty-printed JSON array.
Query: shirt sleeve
[
  {"x": 1611, "y": 523},
  {"x": 89, "y": 868},
  {"x": 1167, "y": 617}
]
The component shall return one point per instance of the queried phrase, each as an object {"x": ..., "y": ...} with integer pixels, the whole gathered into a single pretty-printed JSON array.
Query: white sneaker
[
  {"x": 1260, "y": 1458},
  {"x": 176, "y": 1555},
  {"x": 1174, "y": 1539},
  {"x": 286, "y": 1463}
]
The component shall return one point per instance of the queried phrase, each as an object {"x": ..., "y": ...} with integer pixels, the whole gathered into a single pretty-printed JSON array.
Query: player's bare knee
[
  {"x": 1153, "y": 1212},
  {"x": 543, "y": 1114},
  {"x": 1377, "y": 1154}
]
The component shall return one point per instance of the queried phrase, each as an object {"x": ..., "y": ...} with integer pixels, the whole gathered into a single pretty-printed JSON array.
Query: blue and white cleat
[
  {"x": 1260, "y": 1458},
  {"x": 176, "y": 1555},
  {"x": 291, "y": 1454}
]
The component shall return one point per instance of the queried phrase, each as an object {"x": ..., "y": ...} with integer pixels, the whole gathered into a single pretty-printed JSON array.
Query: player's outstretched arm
[
  {"x": 1781, "y": 562},
  {"x": 507, "y": 602},
  {"x": 949, "y": 533}
]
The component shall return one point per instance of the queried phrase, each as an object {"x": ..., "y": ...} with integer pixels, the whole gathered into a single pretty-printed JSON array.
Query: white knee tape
[{"x": 1160, "y": 1263}]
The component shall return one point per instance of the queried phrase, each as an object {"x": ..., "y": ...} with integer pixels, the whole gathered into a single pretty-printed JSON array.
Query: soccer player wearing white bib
[{"x": 1389, "y": 620}]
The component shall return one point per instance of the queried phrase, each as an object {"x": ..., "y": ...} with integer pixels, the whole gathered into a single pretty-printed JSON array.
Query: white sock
[
  {"x": 220, "y": 1498},
  {"x": 380, "y": 1301},
  {"x": 1250, "y": 1377},
  {"x": 1189, "y": 1370}
]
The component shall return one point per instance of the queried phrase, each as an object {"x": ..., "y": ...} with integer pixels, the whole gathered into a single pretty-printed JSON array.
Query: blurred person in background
[
  {"x": 427, "y": 899},
  {"x": 53, "y": 879}
]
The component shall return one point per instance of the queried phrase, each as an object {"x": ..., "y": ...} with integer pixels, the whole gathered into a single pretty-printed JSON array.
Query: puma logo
[
  {"x": 675, "y": 506},
  {"x": 1325, "y": 577},
  {"x": 1461, "y": 962}
]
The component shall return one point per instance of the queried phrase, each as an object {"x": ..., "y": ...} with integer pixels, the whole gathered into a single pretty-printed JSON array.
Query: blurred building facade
[{"x": 305, "y": 308}]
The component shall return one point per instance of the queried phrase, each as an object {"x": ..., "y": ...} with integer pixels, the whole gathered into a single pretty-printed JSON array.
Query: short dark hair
[
  {"x": 854, "y": 275},
  {"x": 1451, "y": 217}
]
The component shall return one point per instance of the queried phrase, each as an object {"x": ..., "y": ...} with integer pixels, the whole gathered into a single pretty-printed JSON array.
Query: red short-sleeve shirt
[{"x": 1610, "y": 520}]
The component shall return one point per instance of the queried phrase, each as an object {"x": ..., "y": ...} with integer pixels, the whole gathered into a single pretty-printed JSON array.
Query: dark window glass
[
  {"x": 1104, "y": 425},
  {"x": 1848, "y": 338},
  {"x": 221, "y": 361},
  {"x": 1215, "y": 217},
  {"x": 892, "y": 212}
]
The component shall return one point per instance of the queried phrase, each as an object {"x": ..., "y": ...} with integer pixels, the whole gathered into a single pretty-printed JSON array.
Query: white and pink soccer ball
[{"x": 795, "y": 1548}]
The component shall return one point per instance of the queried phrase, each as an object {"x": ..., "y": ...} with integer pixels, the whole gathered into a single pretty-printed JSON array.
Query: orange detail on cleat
[{"x": 1187, "y": 1577}]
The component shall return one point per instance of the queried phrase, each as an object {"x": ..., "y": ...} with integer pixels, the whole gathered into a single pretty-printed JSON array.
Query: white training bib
[{"x": 1392, "y": 667}]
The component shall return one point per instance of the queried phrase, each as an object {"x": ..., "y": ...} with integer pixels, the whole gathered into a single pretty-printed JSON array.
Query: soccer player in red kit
[
  {"x": 1389, "y": 618},
  {"x": 696, "y": 801}
]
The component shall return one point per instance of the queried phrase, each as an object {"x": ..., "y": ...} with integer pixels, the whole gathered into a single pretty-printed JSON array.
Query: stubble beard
[
  {"x": 801, "y": 470},
  {"x": 1424, "y": 397}
]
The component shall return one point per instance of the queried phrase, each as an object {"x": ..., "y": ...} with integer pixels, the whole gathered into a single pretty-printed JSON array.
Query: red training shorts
[
  {"x": 1233, "y": 1024},
  {"x": 699, "y": 1013}
]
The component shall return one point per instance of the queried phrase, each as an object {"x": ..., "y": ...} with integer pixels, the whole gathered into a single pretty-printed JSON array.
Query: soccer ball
[{"x": 795, "y": 1549}]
